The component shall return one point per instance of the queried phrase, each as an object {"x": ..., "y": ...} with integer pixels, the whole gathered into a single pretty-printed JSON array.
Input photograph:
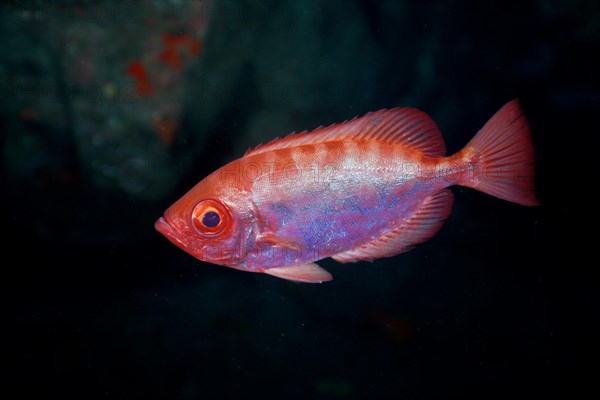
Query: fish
[{"x": 368, "y": 188}]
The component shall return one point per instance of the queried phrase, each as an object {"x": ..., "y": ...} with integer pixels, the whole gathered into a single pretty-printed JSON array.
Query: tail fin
[{"x": 503, "y": 157}]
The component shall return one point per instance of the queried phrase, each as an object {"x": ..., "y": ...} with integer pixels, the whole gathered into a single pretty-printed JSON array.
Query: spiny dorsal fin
[
  {"x": 422, "y": 226},
  {"x": 407, "y": 126}
]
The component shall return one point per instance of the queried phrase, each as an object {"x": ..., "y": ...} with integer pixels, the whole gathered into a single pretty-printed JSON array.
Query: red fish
[{"x": 364, "y": 189}]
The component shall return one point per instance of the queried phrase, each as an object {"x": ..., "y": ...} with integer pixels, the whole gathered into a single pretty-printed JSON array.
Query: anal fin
[{"x": 423, "y": 225}]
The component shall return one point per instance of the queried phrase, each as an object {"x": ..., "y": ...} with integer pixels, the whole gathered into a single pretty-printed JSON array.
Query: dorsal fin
[
  {"x": 406, "y": 125},
  {"x": 426, "y": 222}
]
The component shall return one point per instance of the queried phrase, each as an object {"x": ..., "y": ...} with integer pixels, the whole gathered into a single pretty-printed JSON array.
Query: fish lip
[{"x": 163, "y": 226}]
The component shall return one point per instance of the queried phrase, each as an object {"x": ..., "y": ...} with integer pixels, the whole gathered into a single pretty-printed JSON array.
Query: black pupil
[{"x": 211, "y": 219}]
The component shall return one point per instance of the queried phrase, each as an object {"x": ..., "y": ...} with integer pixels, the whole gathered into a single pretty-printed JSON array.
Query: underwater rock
[
  {"x": 94, "y": 107},
  {"x": 107, "y": 75}
]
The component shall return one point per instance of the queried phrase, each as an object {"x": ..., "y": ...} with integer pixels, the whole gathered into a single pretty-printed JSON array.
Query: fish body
[{"x": 364, "y": 189}]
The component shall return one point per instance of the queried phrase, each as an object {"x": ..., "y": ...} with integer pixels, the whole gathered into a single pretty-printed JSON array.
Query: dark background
[{"x": 501, "y": 303}]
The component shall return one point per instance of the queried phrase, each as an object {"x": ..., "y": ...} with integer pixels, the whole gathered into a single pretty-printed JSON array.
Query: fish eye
[{"x": 211, "y": 217}]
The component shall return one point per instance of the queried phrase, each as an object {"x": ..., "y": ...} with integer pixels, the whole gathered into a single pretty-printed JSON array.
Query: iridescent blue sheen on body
[{"x": 339, "y": 212}]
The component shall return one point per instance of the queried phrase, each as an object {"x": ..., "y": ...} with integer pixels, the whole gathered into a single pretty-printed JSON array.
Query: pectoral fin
[
  {"x": 310, "y": 273},
  {"x": 279, "y": 241}
]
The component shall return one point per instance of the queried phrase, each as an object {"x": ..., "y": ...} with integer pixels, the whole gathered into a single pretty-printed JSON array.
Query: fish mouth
[{"x": 164, "y": 227}]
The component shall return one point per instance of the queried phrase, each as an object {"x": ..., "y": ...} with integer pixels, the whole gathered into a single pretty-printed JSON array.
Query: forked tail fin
[{"x": 503, "y": 157}]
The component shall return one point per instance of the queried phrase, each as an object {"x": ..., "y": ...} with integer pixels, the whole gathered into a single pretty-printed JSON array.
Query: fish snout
[
  {"x": 163, "y": 226},
  {"x": 166, "y": 228},
  {"x": 180, "y": 238}
]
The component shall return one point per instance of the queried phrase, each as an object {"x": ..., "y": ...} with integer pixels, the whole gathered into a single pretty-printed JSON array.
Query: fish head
[{"x": 212, "y": 222}]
